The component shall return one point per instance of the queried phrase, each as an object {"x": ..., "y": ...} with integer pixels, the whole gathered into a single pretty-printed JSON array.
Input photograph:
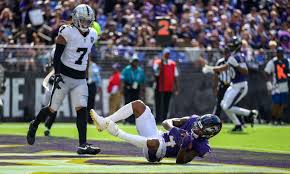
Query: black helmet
[
  {"x": 207, "y": 126},
  {"x": 235, "y": 44}
]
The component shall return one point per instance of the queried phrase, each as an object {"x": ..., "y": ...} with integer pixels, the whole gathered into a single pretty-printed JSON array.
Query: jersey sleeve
[
  {"x": 201, "y": 147},
  {"x": 269, "y": 67},
  {"x": 65, "y": 32}
]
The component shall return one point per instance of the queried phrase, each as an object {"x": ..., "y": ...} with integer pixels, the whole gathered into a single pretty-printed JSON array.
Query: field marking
[
  {"x": 11, "y": 145},
  {"x": 252, "y": 149},
  {"x": 81, "y": 165}
]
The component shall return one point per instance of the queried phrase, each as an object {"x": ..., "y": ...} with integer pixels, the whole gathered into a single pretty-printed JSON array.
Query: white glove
[
  {"x": 232, "y": 61},
  {"x": 207, "y": 69},
  {"x": 269, "y": 86}
]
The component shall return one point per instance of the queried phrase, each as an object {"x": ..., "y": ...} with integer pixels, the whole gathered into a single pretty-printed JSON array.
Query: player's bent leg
[
  {"x": 136, "y": 140},
  {"x": 146, "y": 124},
  {"x": 155, "y": 150},
  {"x": 30, "y": 137}
]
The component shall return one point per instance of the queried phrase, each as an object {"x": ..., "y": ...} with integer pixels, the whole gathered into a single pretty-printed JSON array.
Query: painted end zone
[{"x": 57, "y": 155}]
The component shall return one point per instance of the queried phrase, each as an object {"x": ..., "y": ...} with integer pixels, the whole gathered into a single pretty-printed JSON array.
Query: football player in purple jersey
[
  {"x": 185, "y": 138},
  {"x": 236, "y": 64}
]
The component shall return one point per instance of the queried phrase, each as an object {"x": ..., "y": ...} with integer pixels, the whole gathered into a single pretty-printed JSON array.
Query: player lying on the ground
[{"x": 185, "y": 138}]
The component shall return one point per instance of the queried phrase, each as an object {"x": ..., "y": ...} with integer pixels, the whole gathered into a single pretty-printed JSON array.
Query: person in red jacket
[
  {"x": 114, "y": 89},
  {"x": 166, "y": 74}
]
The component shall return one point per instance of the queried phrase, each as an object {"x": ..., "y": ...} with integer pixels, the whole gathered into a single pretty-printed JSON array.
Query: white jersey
[{"x": 78, "y": 47}]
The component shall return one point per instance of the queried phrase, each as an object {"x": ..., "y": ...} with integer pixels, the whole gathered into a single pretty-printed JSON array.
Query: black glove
[
  {"x": 51, "y": 80},
  {"x": 57, "y": 80},
  {"x": 2, "y": 89}
]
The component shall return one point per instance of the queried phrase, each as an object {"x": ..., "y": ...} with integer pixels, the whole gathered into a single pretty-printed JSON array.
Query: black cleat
[
  {"x": 253, "y": 115},
  {"x": 47, "y": 133},
  {"x": 31, "y": 133},
  {"x": 88, "y": 149},
  {"x": 237, "y": 128}
]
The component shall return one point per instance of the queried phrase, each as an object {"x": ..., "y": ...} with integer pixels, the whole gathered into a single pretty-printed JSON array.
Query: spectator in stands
[
  {"x": 114, "y": 89},
  {"x": 166, "y": 74},
  {"x": 133, "y": 78},
  {"x": 6, "y": 22},
  {"x": 3, "y": 38}
]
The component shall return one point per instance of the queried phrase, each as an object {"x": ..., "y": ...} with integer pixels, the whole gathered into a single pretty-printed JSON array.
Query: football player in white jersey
[{"x": 73, "y": 45}]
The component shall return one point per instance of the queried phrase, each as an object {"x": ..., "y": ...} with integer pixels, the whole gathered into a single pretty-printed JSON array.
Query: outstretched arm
[
  {"x": 184, "y": 156},
  {"x": 185, "y": 153},
  {"x": 174, "y": 122}
]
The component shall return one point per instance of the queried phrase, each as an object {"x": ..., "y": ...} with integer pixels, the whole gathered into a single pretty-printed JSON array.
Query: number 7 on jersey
[{"x": 84, "y": 51}]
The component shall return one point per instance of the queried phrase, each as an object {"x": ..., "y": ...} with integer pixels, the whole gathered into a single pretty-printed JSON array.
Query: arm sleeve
[{"x": 59, "y": 48}]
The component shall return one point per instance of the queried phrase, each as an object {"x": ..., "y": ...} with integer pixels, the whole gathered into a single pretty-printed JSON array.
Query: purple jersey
[
  {"x": 173, "y": 140},
  {"x": 236, "y": 75}
]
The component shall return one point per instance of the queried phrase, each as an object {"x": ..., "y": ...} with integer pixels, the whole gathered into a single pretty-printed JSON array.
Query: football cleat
[
  {"x": 31, "y": 133},
  {"x": 47, "y": 133},
  {"x": 253, "y": 115},
  {"x": 101, "y": 123},
  {"x": 113, "y": 128},
  {"x": 237, "y": 128},
  {"x": 88, "y": 149}
]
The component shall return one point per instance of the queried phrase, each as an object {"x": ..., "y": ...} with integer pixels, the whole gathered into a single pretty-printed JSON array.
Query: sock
[
  {"x": 82, "y": 115},
  {"x": 50, "y": 120},
  {"x": 136, "y": 140},
  {"x": 123, "y": 113},
  {"x": 41, "y": 116},
  {"x": 240, "y": 111},
  {"x": 233, "y": 117}
]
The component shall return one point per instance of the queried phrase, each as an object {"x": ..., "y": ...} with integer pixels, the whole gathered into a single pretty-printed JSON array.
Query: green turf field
[
  {"x": 261, "y": 138},
  {"x": 17, "y": 157}
]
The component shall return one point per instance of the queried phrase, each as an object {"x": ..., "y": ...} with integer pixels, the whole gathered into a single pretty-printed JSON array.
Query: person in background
[
  {"x": 166, "y": 74},
  {"x": 277, "y": 83},
  {"x": 114, "y": 89},
  {"x": 2, "y": 88},
  {"x": 221, "y": 82},
  {"x": 133, "y": 78},
  {"x": 94, "y": 85}
]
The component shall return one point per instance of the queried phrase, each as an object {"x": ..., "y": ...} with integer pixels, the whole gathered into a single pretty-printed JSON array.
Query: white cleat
[
  {"x": 101, "y": 123},
  {"x": 113, "y": 128},
  {"x": 253, "y": 116},
  {"x": 255, "y": 113}
]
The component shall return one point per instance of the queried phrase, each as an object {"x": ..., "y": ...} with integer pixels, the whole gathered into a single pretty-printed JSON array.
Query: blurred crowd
[
  {"x": 199, "y": 24},
  {"x": 202, "y": 23}
]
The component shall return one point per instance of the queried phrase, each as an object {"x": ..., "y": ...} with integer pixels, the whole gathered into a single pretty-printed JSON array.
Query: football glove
[
  {"x": 57, "y": 80},
  {"x": 207, "y": 69},
  {"x": 233, "y": 62},
  {"x": 187, "y": 139},
  {"x": 2, "y": 89}
]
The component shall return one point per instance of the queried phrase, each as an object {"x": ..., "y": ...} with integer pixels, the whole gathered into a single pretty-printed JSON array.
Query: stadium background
[{"x": 197, "y": 28}]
